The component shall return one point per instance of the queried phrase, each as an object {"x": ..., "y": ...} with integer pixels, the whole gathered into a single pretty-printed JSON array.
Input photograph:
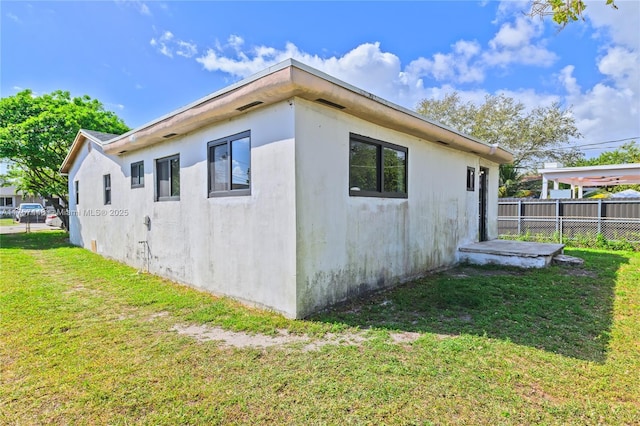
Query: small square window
[
  {"x": 137, "y": 174},
  {"x": 168, "y": 178},
  {"x": 107, "y": 188},
  {"x": 471, "y": 179}
]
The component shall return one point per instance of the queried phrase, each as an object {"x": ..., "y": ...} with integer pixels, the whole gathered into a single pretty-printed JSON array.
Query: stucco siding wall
[
  {"x": 346, "y": 244},
  {"x": 241, "y": 246}
]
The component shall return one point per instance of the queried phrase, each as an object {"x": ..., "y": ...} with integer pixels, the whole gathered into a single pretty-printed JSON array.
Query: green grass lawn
[
  {"x": 85, "y": 340},
  {"x": 7, "y": 221}
]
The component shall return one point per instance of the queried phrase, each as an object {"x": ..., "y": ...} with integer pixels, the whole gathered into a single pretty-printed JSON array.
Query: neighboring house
[
  {"x": 288, "y": 190},
  {"x": 585, "y": 177},
  {"x": 10, "y": 197}
]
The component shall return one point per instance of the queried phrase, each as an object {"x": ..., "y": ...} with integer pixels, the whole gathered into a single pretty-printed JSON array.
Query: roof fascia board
[{"x": 79, "y": 140}]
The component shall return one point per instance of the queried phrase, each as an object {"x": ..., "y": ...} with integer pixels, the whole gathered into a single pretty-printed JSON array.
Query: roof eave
[
  {"x": 80, "y": 138},
  {"x": 288, "y": 80}
]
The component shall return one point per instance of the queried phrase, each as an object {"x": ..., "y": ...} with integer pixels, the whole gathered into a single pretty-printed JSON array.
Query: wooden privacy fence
[{"x": 570, "y": 219}]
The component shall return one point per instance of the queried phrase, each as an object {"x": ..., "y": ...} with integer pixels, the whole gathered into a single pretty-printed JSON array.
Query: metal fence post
[
  {"x": 600, "y": 216},
  {"x": 519, "y": 217},
  {"x": 561, "y": 229},
  {"x": 557, "y": 215}
]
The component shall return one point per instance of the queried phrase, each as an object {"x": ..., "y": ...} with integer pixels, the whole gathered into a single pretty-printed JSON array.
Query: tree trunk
[{"x": 61, "y": 210}]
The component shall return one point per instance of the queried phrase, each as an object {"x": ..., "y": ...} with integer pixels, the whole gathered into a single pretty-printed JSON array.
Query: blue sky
[{"x": 143, "y": 59}]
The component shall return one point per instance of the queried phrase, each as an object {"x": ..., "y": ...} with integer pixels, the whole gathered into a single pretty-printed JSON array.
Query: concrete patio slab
[{"x": 511, "y": 253}]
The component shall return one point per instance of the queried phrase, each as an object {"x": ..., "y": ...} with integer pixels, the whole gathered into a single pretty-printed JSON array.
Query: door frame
[{"x": 483, "y": 179}]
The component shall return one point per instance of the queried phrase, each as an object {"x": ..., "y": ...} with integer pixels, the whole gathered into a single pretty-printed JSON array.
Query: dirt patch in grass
[
  {"x": 204, "y": 333},
  {"x": 235, "y": 339},
  {"x": 534, "y": 393}
]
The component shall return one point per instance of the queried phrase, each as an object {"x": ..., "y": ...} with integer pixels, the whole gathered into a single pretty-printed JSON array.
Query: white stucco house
[{"x": 289, "y": 190}]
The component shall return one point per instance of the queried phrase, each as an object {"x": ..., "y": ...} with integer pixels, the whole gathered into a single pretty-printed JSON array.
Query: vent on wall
[
  {"x": 170, "y": 135},
  {"x": 443, "y": 143},
  {"x": 247, "y": 106},
  {"x": 329, "y": 103}
]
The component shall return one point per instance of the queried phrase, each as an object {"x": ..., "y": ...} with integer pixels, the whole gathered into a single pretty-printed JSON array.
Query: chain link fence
[{"x": 565, "y": 220}]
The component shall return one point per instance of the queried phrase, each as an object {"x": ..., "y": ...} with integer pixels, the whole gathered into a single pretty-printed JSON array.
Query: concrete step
[{"x": 563, "y": 259}]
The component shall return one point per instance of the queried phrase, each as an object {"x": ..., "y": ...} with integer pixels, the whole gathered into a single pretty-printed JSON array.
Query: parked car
[
  {"x": 30, "y": 212},
  {"x": 53, "y": 220}
]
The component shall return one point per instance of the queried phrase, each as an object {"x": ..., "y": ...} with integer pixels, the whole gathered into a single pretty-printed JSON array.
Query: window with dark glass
[
  {"x": 107, "y": 188},
  {"x": 377, "y": 168},
  {"x": 76, "y": 184},
  {"x": 230, "y": 165},
  {"x": 168, "y": 178},
  {"x": 137, "y": 174},
  {"x": 471, "y": 179}
]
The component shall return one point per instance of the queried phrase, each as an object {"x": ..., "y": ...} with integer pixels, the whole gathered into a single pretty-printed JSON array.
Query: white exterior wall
[
  {"x": 241, "y": 246},
  {"x": 347, "y": 245},
  {"x": 299, "y": 242}
]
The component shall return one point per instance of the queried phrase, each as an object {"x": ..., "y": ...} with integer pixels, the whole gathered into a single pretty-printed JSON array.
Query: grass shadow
[
  {"x": 565, "y": 310},
  {"x": 40, "y": 240}
]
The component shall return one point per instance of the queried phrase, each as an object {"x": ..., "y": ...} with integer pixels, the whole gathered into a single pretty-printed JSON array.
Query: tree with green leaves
[
  {"x": 628, "y": 153},
  {"x": 36, "y": 133},
  {"x": 533, "y": 136},
  {"x": 562, "y": 12}
]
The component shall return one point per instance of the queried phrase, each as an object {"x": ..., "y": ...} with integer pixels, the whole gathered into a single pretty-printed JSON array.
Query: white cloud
[
  {"x": 530, "y": 98},
  {"x": 526, "y": 55},
  {"x": 518, "y": 43},
  {"x": 186, "y": 49},
  {"x": 144, "y": 9},
  {"x": 509, "y": 9},
  {"x": 605, "y": 111},
  {"x": 167, "y": 44},
  {"x": 513, "y": 36},
  {"x": 140, "y": 6},
  {"x": 369, "y": 67},
  {"x": 568, "y": 81},
  {"x": 610, "y": 109},
  {"x": 14, "y": 18},
  {"x": 235, "y": 41},
  {"x": 166, "y": 36},
  {"x": 366, "y": 65},
  {"x": 620, "y": 26},
  {"x": 456, "y": 66},
  {"x": 620, "y": 63}
]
